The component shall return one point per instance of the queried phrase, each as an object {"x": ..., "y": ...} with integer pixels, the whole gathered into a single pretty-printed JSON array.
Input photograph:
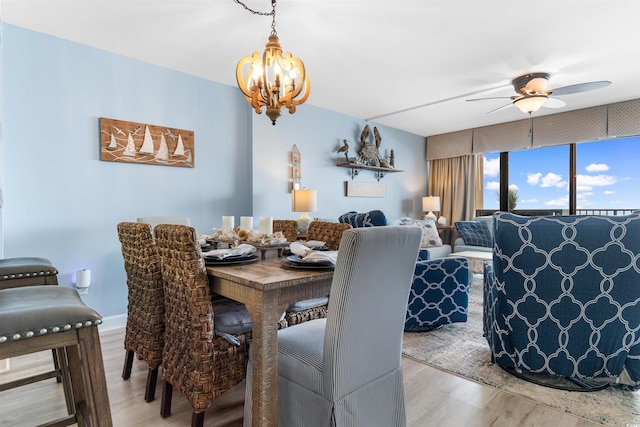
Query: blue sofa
[
  {"x": 431, "y": 246},
  {"x": 562, "y": 296},
  {"x": 468, "y": 241}
]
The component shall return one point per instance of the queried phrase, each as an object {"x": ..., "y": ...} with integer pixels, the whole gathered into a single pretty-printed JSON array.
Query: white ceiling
[{"x": 408, "y": 64}]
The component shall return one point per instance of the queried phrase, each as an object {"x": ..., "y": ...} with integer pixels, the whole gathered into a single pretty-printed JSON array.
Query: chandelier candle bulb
[
  {"x": 227, "y": 223},
  {"x": 266, "y": 225},
  {"x": 246, "y": 222}
]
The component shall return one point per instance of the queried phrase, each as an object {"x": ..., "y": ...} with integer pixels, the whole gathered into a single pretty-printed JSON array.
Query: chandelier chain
[{"x": 257, "y": 12}]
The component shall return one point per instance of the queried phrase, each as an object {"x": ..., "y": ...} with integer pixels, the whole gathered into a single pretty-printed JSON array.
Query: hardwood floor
[{"x": 433, "y": 398}]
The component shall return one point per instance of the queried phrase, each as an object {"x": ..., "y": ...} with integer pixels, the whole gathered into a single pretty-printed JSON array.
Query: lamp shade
[
  {"x": 530, "y": 104},
  {"x": 431, "y": 203},
  {"x": 304, "y": 200}
]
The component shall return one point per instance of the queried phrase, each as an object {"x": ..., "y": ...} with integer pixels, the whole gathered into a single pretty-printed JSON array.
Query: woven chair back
[
  {"x": 288, "y": 227},
  {"x": 145, "y": 310},
  {"x": 195, "y": 361},
  {"x": 328, "y": 232}
]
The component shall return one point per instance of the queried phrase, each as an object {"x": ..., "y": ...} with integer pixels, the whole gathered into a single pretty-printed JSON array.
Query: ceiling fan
[{"x": 533, "y": 93}]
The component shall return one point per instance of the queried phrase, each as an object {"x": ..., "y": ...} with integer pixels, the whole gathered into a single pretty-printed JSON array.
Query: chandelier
[{"x": 273, "y": 79}]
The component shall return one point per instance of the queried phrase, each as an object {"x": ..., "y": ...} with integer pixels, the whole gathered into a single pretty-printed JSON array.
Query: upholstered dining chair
[
  {"x": 144, "y": 334},
  {"x": 345, "y": 370},
  {"x": 316, "y": 308},
  {"x": 198, "y": 360},
  {"x": 288, "y": 227}
]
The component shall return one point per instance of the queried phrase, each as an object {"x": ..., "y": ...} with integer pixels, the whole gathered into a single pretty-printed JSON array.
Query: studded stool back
[{"x": 36, "y": 318}]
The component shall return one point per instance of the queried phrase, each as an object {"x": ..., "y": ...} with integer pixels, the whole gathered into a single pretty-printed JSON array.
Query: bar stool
[
  {"x": 27, "y": 271},
  {"x": 37, "y": 318},
  {"x": 30, "y": 271}
]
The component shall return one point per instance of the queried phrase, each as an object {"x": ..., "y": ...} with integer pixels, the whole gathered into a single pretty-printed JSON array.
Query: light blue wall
[
  {"x": 318, "y": 133},
  {"x": 61, "y": 202}
]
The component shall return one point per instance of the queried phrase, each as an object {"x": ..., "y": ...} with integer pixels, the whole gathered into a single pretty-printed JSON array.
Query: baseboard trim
[{"x": 113, "y": 322}]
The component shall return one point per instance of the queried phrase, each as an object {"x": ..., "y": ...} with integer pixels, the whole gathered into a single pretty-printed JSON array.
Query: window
[{"x": 607, "y": 177}]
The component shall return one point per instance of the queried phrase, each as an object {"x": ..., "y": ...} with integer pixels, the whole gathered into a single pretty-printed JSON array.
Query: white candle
[
  {"x": 266, "y": 225},
  {"x": 246, "y": 222},
  {"x": 227, "y": 223}
]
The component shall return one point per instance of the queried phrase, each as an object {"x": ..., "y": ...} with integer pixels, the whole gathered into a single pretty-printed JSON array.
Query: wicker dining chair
[
  {"x": 328, "y": 232},
  {"x": 303, "y": 311},
  {"x": 288, "y": 227},
  {"x": 144, "y": 334},
  {"x": 196, "y": 361}
]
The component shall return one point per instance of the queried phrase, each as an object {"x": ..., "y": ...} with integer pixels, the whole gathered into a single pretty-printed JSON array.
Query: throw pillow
[
  {"x": 367, "y": 219},
  {"x": 430, "y": 235},
  {"x": 475, "y": 233}
]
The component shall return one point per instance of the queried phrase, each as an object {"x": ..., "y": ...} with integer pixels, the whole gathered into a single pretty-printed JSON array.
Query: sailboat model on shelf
[{"x": 147, "y": 143}]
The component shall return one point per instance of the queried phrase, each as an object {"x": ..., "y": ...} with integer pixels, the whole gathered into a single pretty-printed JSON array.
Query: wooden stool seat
[{"x": 37, "y": 318}]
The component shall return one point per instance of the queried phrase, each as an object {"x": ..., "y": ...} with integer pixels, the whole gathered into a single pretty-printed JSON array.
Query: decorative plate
[
  {"x": 232, "y": 260},
  {"x": 308, "y": 266},
  {"x": 297, "y": 260}
]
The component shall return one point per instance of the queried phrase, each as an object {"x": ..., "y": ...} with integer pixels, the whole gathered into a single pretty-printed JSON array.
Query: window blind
[{"x": 588, "y": 124}]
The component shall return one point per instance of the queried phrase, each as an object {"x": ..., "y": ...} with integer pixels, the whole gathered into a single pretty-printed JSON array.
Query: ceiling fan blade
[
  {"x": 580, "y": 87},
  {"x": 497, "y": 97},
  {"x": 554, "y": 103},
  {"x": 500, "y": 109}
]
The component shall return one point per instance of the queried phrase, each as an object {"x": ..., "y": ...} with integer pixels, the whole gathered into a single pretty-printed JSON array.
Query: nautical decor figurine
[{"x": 368, "y": 153}]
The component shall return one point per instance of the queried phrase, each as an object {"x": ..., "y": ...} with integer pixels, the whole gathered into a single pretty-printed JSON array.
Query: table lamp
[
  {"x": 430, "y": 204},
  {"x": 304, "y": 201}
]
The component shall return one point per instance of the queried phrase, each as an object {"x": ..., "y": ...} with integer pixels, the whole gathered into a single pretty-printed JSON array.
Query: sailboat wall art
[{"x": 132, "y": 142}]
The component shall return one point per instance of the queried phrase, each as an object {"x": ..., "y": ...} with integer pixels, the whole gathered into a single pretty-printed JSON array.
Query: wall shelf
[{"x": 380, "y": 172}]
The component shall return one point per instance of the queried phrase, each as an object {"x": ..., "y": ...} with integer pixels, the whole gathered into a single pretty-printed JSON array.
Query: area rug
[{"x": 461, "y": 349}]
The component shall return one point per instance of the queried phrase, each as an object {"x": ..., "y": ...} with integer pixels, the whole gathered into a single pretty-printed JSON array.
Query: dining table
[{"x": 267, "y": 288}]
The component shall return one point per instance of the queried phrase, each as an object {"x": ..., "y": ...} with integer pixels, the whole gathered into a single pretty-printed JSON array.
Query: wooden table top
[{"x": 268, "y": 274}]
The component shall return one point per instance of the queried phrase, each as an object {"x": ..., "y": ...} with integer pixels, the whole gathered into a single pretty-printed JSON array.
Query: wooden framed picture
[
  {"x": 132, "y": 142},
  {"x": 295, "y": 157},
  {"x": 296, "y": 173}
]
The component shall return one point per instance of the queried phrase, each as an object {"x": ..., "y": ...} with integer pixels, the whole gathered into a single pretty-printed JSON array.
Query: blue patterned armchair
[
  {"x": 562, "y": 297},
  {"x": 439, "y": 294}
]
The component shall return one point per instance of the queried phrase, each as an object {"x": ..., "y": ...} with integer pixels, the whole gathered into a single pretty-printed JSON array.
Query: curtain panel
[{"x": 458, "y": 182}]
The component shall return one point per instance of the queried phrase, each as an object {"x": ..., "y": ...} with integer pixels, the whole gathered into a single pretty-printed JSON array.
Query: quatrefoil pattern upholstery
[
  {"x": 564, "y": 296},
  {"x": 439, "y": 294}
]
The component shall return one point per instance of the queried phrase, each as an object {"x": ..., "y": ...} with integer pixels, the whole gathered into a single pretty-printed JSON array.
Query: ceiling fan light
[
  {"x": 537, "y": 85},
  {"x": 530, "y": 104}
]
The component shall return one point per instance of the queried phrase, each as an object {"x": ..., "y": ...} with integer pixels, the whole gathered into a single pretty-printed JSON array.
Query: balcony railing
[{"x": 537, "y": 212}]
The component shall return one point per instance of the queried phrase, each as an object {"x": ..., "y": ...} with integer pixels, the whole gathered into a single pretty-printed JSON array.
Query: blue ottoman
[{"x": 439, "y": 294}]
